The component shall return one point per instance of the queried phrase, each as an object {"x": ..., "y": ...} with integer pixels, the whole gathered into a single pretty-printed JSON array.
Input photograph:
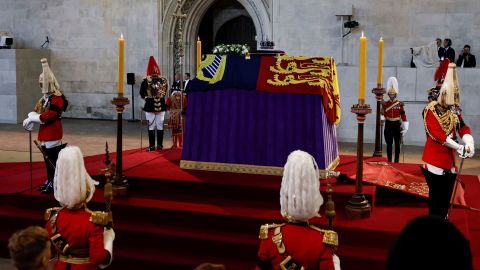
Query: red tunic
[
  {"x": 51, "y": 129},
  {"x": 435, "y": 153},
  {"x": 175, "y": 108},
  {"x": 303, "y": 244},
  {"x": 394, "y": 113},
  {"x": 80, "y": 233}
]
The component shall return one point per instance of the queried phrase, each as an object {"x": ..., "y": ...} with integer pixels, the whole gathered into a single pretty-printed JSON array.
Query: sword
[
  {"x": 44, "y": 154},
  {"x": 457, "y": 180}
]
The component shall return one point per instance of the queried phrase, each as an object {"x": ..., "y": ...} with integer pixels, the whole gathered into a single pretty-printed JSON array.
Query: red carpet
[{"x": 176, "y": 219}]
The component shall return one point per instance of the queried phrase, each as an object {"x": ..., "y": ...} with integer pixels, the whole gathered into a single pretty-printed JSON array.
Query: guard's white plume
[
  {"x": 72, "y": 184},
  {"x": 300, "y": 197}
]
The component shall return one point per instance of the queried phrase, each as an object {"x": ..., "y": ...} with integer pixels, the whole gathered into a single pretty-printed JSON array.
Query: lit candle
[
  {"x": 121, "y": 46},
  {"x": 362, "y": 69},
  {"x": 199, "y": 52},
  {"x": 380, "y": 63}
]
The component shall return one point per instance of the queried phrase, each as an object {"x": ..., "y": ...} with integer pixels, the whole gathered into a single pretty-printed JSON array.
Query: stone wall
[
  {"x": 310, "y": 27},
  {"x": 84, "y": 33},
  {"x": 83, "y": 38}
]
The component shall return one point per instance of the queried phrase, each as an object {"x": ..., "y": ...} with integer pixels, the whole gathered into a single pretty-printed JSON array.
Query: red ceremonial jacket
[
  {"x": 435, "y": 153},
  {"x": 50, "y": 113},
  {"x": 76, "y": 228},
  {"x": 394, "y": 113},
  {"x": 305, "y": 245}
]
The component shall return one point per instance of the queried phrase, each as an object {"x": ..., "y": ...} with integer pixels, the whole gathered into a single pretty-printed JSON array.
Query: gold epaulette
[
  {"x": 329, "y": 237},
  {"x": 49, "y": 212},
  {"x": 264, "y": 230},
  {"x": 100, "y": 217}
]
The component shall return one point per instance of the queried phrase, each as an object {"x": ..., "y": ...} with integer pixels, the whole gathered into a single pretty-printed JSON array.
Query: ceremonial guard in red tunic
[
  {"x": 153, "y": 90},
  {"x": 78, "y": 234},
  {"x": 443, "y": 120},
  {"x": 175, "y": 123},
  {"x": 296, "y": 244},
  {"x": 48, "y": 113},
  {"x": 396, "y": 124}
]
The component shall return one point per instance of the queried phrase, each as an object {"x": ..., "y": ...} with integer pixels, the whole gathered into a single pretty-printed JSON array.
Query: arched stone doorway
[
  {"x": 257, "y": 11},
  {"x": 226, "y": 22},
  {"x": 239, "y": 30}
]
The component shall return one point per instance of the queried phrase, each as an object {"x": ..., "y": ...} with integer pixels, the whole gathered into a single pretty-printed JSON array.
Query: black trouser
[
  {"x": 392, "y": 133},
  {"x": 440, "y": 189},
  {"x": 52, "y": 154}
]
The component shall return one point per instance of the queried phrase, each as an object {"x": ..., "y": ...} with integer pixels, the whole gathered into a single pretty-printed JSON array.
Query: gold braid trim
[
  {"x": 264, "y": 230},
  {"x": 446, "y": 118},
  {"x": 39, "y": 106},
  {"x": 329, "y": 237}
]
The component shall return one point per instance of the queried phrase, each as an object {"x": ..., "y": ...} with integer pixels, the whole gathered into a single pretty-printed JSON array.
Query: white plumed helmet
[
  {"x": 450, "y": 90},
  {"x": 300, "y": 197},
  {"x": 47, "y": 80},
  {"x": 73, "y": 187},
  {"x": 392, "y": 86}
]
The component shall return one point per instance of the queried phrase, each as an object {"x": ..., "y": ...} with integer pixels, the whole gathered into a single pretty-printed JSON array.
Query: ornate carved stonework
[{"x": 179, "y": 30}]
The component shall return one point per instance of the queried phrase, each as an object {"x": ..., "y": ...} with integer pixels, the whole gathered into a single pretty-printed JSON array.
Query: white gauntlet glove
[
  {"x": 34, "y": 117},
  {"x": 108, "y": 237},
  {"x": 469, "y": 145},
  {"x": 404, "y": 128},
  {"x": 27, "y": 124},
  {"x": 336, "y": 262},
  {"x": 455, "y": 146}
]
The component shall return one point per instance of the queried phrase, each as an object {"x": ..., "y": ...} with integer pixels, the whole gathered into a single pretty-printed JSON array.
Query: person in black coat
[
  {"x": 153, "y": 90},
  {"x": 449, "y": 51},
  {"x": 466, "y": 59},
  {"x": 440, "y": 49}
]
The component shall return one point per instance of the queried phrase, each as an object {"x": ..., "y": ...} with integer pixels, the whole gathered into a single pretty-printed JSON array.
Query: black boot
[
  {"x": 52, "y": 155},
  {"x": 151, "y": 140},
  {"x": 440, "y": 188},
  {"x": 159, "y": 139}
]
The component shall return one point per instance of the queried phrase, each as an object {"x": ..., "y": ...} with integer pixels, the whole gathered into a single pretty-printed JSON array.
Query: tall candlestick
[
  {"x": 121, "y": 47},
  {"x": 199, "y": 52},
  {"x": 362, "y": 69},
  {"x": 380, "y": 62}
]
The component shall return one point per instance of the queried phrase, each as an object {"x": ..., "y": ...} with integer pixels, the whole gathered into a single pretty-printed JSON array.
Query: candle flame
[
  {"x": 198, "y": 38},
  {"x": 362, "y": 34},
  {"x": 121, "y": 36},
  {"x": 381, "y": 38}
]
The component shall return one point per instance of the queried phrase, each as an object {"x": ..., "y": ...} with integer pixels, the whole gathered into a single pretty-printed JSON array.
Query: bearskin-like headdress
[{"x": 152, "y": 68}]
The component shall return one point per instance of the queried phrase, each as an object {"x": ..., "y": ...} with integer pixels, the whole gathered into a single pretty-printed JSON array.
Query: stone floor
[{"x": 91, "y": 135}]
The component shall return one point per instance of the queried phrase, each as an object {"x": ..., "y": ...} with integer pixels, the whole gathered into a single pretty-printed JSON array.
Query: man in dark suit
[
  {"x": 449, "y": 51},
  {"x": 176, "y": 82},
  {"x": 186, "y": 82},
  {"x": 466, "y": 59},
  {"x": 440, "y": 49}
]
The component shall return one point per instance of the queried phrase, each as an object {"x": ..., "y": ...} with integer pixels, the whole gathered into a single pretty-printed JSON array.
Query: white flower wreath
[{"x": 231, "y": 49}]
